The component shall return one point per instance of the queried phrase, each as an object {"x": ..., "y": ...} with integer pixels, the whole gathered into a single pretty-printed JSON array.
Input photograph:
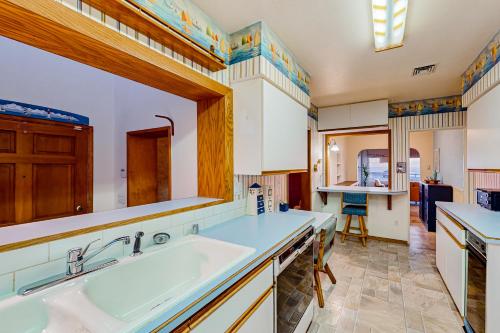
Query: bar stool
[
  {"x": 355, "y": 204},
  {"x": 323, "y": 250}
]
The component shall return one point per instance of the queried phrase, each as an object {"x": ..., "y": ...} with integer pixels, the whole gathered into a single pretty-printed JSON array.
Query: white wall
[
  {"x": 451, "y": 150},
  {"x": 113, "y": 104}
]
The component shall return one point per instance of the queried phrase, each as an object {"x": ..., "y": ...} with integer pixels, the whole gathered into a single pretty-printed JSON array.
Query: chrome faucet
[
  {"x": 75, "y": 258},
  {"x": 75, "y": 261},
  {"x": 137, "y": 244}
]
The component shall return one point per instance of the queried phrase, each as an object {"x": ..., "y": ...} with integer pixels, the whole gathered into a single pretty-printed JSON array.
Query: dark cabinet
[{"x": 429, "y": 194}]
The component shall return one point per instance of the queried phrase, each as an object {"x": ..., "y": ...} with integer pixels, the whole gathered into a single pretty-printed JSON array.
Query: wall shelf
[{"x": 152, "y": 26}]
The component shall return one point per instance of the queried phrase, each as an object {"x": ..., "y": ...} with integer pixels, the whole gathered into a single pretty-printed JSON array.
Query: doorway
[{"x": 149, "y": 166}]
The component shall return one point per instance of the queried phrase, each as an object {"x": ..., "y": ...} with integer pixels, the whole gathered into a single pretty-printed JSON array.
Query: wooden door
[
  {"x": 45, "y": 170},
  {"x": 148, "y": 166}
]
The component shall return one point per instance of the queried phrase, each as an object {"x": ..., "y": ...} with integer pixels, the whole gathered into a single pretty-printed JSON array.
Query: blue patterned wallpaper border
[
  {"x": 40, "y": 112},
  {"x": 259, "y": 40},
  {"x": 426, "y": 106},
  {"x": 189, "y": 20},
  {"x": 485, "y": 61}
]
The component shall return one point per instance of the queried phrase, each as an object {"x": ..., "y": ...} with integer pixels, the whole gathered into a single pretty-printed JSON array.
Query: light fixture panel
[{"x": 389, "y": 21}]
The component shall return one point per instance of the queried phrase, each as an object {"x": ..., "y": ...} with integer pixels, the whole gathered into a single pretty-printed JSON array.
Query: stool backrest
[
  {"x": 355, "y": 198},
  {"x": 327, "y": 236}
]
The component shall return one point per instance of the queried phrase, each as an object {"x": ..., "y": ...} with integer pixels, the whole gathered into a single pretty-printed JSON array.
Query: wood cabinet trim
[
  {"x": 146, "y": 22},
  {"x": 235, "y": 327},
  {"x": 283, "y": 172},
  {"x": 457, "y": 243},
  {"x": 224, "y": 297},
  {"x": 452, "y": 219}
]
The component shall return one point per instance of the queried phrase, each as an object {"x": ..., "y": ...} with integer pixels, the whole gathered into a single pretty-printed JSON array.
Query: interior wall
[
  {"x": 112, "y": 103},
  {"x": 423, "y": 141},
  {"x": 452, "y": 159}
]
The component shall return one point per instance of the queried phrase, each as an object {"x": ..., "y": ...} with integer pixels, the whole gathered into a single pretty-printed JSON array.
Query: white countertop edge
[
  {"x": 28, "y": 231},
  {"x": 486, "y": 217},
  {"x": 359, "y": 189}
]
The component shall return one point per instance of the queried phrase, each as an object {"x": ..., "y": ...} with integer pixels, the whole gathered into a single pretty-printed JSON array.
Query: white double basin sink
[{"x": 126, "y": 295}]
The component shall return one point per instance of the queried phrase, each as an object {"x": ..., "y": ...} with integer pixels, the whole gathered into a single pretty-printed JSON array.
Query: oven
[
  {"x": 294, "y": 276},
  {"x": 475, "y": 304}
]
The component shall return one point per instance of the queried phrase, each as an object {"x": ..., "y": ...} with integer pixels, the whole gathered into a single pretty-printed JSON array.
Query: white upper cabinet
[
  {"x": 270, "y": 129},
  {"x": 375, "y": 113},
  {"x": 483, "y": 131}
]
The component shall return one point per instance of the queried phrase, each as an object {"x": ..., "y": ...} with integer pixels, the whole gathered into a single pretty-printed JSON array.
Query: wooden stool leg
[
  {"x": 347, "y": 227},
  {"x": 319, "y": 290},
  {"x": 330, "y": 274},
  {"x": 363, "y": 230}
]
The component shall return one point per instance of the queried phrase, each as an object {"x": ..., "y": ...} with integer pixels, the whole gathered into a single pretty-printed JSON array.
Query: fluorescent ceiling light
[{"x": 389, "y": 20}]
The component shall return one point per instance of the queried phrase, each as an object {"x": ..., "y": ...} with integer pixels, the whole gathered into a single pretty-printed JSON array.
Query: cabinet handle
[{"x": 460, "y": 245}]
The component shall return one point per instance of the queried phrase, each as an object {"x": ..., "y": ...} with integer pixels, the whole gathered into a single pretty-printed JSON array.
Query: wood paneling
[
  {"x": 52, "y": 167},
  {"x": 7, "y": 193},
  {"x": 147, "y": 23},
  {"x": 53, "y": 144},
  {"x": 53, "y": 190},
  {"x": 7, "y": 141},
  {"x": 51, "y": 26},
  {"x": 215, "y": 148}
]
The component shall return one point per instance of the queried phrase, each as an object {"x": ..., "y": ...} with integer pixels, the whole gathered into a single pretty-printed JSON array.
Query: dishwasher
[
  {"x": 294, "y": 276},
  {"x": 475, "y": 303}
]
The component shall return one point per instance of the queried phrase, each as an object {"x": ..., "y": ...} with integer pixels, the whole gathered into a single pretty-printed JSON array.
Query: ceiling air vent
[{"x": 424, "y": 70}]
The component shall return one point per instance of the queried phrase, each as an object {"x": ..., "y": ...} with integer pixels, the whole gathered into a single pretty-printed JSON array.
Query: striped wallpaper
[
  {"x": 83, "y": 8},
  {"x": 481, "y": 87},
  {"x": 400, "y": 129},
  {"x": 261, "y": 67},
  {"x": 481, "y": 179}
]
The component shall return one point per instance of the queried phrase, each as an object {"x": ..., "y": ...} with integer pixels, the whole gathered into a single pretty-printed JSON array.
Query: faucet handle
[
  {"x": 88, "y": 246},
  {"x": 73, "y": 254}
]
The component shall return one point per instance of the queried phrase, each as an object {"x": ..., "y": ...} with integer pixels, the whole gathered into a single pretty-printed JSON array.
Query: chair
[
  {"x": 355, "y": 204},
  {"x": 323, "y": 251}
]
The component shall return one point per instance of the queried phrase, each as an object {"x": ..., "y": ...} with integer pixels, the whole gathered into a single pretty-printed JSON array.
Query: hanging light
[
  {"x": 334, "y": 147},
  {"x": 389, "y": 20}
]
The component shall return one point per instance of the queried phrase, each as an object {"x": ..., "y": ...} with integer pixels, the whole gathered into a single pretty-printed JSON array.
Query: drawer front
[
  {"x": 260, "y": 318},
  {"x": 228, "y": 311},
  {"x": 451, "y": 225}
]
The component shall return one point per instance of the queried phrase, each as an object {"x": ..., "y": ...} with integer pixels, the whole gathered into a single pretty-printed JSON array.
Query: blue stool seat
[{"x": 354, "y": 210}]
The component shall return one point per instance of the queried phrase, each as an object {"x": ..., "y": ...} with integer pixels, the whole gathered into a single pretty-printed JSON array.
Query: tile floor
[{"x": 386, "y": 287}]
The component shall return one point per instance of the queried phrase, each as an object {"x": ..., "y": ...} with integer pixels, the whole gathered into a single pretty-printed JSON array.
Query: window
[
  {"x": 376, "y": 162},
  {"x": 414, "y": 165}
]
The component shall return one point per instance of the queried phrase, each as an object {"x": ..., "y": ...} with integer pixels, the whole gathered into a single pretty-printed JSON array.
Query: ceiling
[{"x": 332, "y": 40}]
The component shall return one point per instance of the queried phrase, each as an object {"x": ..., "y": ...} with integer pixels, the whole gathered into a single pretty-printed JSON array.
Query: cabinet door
[
  {"x": 284, "y": 131},
  {"x": 334, "y": 117},
  {"x": 369, "y": 113},
  {"x": 455, "y": 273},
  {"x": 262, "y": 320},
  {"x": 441, "y": 244},
  {"x": 483, "y": 132}
]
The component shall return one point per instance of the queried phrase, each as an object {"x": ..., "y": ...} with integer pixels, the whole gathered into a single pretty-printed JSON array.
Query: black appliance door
[
  {"x": 294, "y": 291},
  {"x": 476, "y": 291}
]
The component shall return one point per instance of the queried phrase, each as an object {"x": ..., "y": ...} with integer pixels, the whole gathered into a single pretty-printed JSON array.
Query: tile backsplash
[{"x": 27, "y": 265}]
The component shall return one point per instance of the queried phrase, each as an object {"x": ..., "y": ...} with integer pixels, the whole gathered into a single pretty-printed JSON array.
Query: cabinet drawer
[
  {"x": 230, "y": 309},
  {"x": 452, "y": 226}
]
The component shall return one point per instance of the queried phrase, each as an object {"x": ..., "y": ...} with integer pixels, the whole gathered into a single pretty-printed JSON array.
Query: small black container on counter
[{"x": 489, "y": 198}]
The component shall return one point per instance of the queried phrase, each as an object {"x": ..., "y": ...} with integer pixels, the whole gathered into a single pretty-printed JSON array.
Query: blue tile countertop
[
  {"x": 478, "y": 220},
  {"x": 266, "y": 233}
]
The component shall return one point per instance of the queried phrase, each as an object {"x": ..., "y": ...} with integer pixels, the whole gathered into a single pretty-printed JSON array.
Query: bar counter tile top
[
  {"x": 480, "y": 221},
  {"x": 359, "y": 189}
]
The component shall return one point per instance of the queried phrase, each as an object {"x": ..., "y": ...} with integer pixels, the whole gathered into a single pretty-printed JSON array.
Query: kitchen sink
[
  {"x": 29, "y": 316},
  {"x": 161, "y": 278}
]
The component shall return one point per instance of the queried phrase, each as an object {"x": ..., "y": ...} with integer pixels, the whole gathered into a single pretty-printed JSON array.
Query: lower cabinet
[
  {"x": 248, "y": 306},
  {"x": 451, "y": 257}
]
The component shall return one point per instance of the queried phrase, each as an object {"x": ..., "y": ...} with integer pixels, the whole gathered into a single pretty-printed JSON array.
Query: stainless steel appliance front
[
  {"x": 475, "y": 312},
  {"x": 294, "y": 275}
]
